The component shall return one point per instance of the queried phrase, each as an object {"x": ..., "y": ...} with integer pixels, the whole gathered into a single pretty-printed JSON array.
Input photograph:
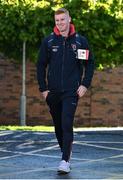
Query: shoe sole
[{"x": 61, "y": 171}]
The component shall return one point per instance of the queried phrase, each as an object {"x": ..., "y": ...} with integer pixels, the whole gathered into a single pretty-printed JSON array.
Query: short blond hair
[{"x": 61, "y": 11}]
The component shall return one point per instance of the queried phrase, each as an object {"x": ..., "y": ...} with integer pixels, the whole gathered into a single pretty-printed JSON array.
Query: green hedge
[{"x": 31, "y": 20}]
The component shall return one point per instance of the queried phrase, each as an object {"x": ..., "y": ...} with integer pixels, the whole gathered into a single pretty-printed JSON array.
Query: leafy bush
[
  {"x": 31, "y": 20},
  {"x": 20, "y": 23},
  {"x": 103, "y": 26}
]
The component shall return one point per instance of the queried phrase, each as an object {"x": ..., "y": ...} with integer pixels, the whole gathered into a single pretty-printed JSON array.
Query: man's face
[{"x": 62, "y": 22}]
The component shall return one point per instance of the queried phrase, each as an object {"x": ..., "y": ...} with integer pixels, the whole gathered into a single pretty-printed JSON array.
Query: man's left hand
[{"x": 81, "y": 90}]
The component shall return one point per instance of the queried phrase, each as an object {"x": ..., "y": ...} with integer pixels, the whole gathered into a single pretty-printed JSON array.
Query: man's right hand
[{"x": 45, "y": 93}]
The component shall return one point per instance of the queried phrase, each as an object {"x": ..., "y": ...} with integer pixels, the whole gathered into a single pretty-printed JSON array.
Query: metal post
[{"x": 23, "y": 96}]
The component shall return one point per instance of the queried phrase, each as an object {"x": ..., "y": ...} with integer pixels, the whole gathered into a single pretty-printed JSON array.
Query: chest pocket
[
  {"x": 53, "y": 48},
  {"x": 73, "y": 47}
]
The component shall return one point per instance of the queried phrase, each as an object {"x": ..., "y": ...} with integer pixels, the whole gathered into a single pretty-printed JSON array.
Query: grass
[
  {"x": 28, "y": 128},
  {"x": 51, "y": 128},
  {"x": 32, "y": 128}
]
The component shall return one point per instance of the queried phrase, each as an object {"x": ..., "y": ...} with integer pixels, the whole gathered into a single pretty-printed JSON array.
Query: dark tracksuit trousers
[{"x": 62, "y": 108}]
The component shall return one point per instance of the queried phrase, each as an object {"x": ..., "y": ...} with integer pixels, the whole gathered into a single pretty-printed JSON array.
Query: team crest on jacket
[{"x": 73, "y": 47}]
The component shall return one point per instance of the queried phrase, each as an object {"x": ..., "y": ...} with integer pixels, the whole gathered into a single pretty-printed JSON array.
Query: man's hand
[
  {"x": 45, "y": 93},
  {"x": 81, "y": 90}
]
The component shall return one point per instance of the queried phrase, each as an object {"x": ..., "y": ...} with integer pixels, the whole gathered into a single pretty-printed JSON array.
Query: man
[{"x": 70, "y": 69}]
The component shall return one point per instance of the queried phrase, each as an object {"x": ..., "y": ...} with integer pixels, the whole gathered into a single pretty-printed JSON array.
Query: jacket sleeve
[
  {"x": 88, "y": 67},
  {"x": 42, "y": 65}
]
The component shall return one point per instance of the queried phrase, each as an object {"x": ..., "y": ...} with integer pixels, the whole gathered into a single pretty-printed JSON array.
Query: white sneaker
[{"x": 64, "y": 167}]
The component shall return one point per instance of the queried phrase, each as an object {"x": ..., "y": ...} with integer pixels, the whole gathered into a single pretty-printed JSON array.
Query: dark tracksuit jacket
[
  {"x": 62, "y": 78},
  {"x": 64, "y": 70}
]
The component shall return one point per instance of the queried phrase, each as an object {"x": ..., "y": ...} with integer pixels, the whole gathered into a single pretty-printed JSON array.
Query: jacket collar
[{"x": 71, "y": 32}]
